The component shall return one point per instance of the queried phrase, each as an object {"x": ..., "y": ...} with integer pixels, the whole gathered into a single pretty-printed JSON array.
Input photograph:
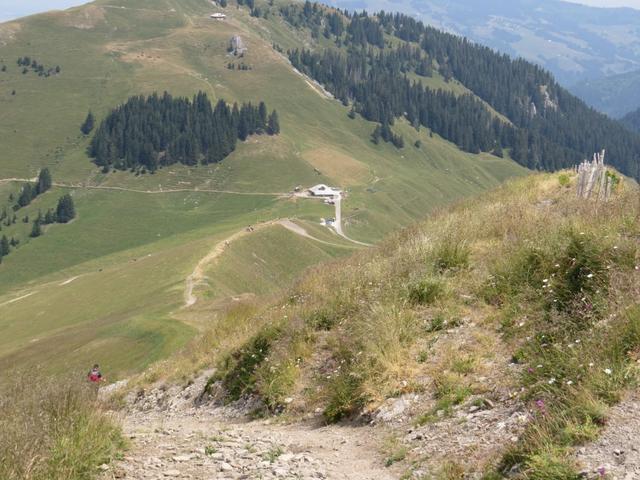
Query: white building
[
  {"x": 218, "y": 16},
  {"x": 322, "y": 190}
]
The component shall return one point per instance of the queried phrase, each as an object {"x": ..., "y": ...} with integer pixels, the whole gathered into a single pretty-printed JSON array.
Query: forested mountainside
[
  {"x": 147, "y": 133},
  {"x": 589, "y": 50},
  {"x": 377, "y": 62},
  {"x": 632, "y": 120}
]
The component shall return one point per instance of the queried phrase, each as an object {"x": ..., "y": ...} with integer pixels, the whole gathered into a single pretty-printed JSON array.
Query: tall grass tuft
[{"x": 53, "y": 429}]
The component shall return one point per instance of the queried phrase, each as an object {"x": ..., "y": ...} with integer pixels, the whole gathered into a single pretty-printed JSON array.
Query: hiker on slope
[{"x": 94, "y": 374}]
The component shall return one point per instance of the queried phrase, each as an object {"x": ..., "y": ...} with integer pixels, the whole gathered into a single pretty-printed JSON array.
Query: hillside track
[
  {"x": 338, "y": 223},
  {"x": 158, "y": 191},
  {"x": 198, "y": 276}
]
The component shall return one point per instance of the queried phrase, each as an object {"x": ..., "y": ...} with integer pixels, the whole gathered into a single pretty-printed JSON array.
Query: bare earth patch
[
  {"x": 85, "y": 18},
  {"x": 8, "y": 32}
]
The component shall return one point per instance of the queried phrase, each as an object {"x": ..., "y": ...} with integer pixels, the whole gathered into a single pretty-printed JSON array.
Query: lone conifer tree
[
  {"x": 4, "y": 246},
  {"x": 273, "y": 127},
  {"x": 44, "y": 181},
  {"x": 26, "y": 195},
  {"x": 88, "y": 124},
  {"x": 36, "y": 231},
  {"x": 65, "y": 211},
  {"x": 262, "y": 114}
]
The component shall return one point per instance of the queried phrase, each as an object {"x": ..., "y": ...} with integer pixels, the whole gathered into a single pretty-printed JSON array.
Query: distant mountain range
[
  {"x": 580, "y": 45},
  {"x": 614, "y": 95}
]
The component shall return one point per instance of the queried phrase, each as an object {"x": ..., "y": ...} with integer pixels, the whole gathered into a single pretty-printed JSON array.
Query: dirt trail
[
  {"x": 172, "y": 438},
  {"x": 297, "y": 229},
  {"x": 338, "y": 223},
  {"x": 198, "y": 275},
  {"x": 13, "y": 300},
  {"x": 137, "y": 190}
]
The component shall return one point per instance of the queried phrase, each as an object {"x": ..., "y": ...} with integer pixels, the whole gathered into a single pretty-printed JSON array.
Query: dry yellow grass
[
  {"x": 342, "y": 168},
  {"x": 53, "y": 429}
]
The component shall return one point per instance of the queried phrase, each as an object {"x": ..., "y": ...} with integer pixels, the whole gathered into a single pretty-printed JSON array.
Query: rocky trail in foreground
[
  {"x": 172, "y": 437},
  {"x": 174, "y": 433}
]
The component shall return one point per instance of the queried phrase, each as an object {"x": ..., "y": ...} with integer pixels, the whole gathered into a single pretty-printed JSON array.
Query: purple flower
[{"x": 601, "y": 471}]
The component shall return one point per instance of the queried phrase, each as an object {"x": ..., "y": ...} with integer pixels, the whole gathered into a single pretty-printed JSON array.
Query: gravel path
[{"x": 171, "y": 437}]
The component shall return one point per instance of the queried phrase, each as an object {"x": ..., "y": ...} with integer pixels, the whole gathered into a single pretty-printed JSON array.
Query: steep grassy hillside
[
  {"x": 560, "y": 36},
  {"x": 520, "y": 305},
  {"x": 116, "y": 276}
]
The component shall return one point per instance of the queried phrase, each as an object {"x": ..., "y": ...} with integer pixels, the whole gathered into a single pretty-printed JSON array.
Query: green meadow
[{"x": 109, "y": 286}]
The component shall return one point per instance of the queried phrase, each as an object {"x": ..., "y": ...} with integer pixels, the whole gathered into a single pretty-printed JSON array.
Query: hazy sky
[
  {"x": 607, "y": 3},
  {"x": 10, "y": 9},
  {"x": 18, "y": 8}
]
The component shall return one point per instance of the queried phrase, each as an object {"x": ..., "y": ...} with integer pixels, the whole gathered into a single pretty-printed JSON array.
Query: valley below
[{"x": 302, "y": 242}]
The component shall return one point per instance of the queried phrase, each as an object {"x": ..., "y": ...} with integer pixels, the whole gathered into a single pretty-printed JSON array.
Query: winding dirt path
[{"x": 198, "y": 275}]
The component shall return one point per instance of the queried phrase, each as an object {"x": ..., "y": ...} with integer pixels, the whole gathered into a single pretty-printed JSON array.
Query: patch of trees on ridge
[
  {"x": 63, "y": 213},
  {"x": 31, "y": 63},
  {"x": 548, "y": 127},
  {"x": 150, "y": 132},
  {"x": 31, "y": 191}
]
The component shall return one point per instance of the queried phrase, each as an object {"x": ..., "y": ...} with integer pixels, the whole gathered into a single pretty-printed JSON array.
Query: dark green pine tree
[
  {"x": 273, "y": 124},
  {"x": 4, "y": 246},
  {"x": 88, "y": 124},
  {"x": 26, "y": 195},
  {"x": 262, "y": 113},
  {"x": 377, "y": 133},
  {"x": 44, "y": 181},
  {"x": 49, "y": 217},
  {"x": 36, "y": 230},
  {"x": 65, "y": 211}
]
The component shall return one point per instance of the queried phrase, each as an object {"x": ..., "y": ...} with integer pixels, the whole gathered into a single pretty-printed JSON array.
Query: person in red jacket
[{"x": 94, "y": 374}]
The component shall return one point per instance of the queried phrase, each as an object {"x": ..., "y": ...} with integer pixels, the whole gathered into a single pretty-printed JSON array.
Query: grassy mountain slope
[
  {"x": 519, "y": 305},
  {"x": 114, "y": 278}
]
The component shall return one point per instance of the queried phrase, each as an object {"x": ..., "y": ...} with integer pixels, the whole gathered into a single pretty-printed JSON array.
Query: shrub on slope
[{"x": 53, "y": 429}]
